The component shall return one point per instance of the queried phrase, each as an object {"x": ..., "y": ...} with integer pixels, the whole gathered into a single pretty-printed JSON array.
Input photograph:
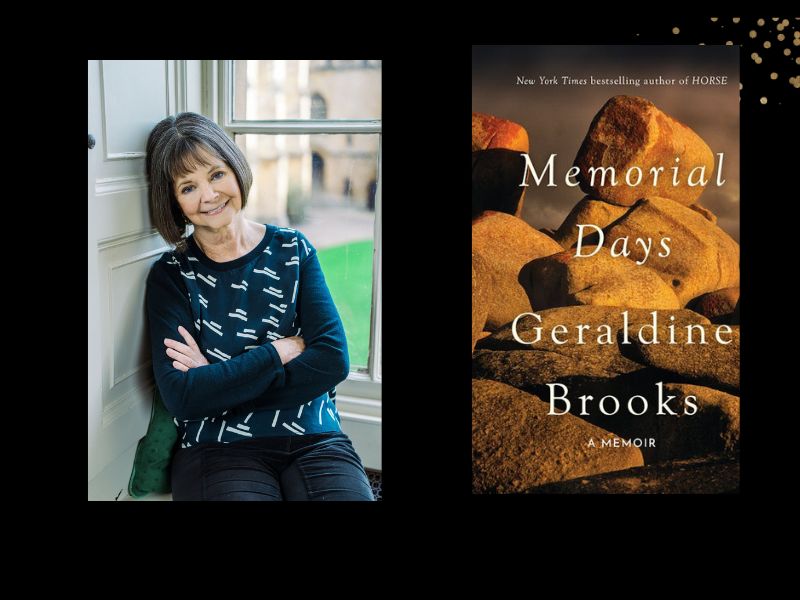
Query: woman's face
[{"x": 209, "y": 196}]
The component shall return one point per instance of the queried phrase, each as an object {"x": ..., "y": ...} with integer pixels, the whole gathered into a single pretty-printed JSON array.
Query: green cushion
[{"x": 153, "y": 460}]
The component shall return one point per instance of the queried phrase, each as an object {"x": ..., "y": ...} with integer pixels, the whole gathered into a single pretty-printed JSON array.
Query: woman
[{"x": 247, "y": 344}]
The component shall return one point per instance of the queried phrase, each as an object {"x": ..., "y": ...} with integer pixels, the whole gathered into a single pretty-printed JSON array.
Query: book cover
[{"x": 605, "y": 269}]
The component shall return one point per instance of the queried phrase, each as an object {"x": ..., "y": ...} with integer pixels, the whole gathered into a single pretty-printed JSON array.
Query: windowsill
[
  {"x": 358, "y": 402},
  {"x": 360, "y": 385}
]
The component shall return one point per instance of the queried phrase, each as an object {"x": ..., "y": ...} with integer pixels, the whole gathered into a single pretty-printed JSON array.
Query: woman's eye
[
  {"x": 220, "y": 173},
  {"x": 187, "y": 189}
]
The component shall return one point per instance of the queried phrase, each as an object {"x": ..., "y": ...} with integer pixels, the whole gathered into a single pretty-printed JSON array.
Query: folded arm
[
  {"x": 214, "y": 388},
  {"x": 324, "y": 362}
]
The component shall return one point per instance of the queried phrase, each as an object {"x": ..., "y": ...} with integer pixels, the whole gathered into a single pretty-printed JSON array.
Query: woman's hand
[
  {"x": 186, "y": 356},
  {"x": 289, "y": 348}
]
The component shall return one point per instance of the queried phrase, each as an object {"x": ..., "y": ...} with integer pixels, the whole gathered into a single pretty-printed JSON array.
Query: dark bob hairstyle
[{"x": 173, "y": 150}]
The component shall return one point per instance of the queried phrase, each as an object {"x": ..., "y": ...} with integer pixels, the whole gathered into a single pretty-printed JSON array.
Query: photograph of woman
[{"x": 247, "y": 345}]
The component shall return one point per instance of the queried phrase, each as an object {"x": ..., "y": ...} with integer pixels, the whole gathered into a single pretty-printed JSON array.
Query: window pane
[
  {"x": 307, "y": 89},
  {"x": 324, "y": 185}
]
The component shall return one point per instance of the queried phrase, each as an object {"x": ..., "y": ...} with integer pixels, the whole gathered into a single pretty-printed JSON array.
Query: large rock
[
  {"x": 630, "y": 131},
  {"x": 581, "y": 359},
  {"x": 481, "y": 295},
  {"x": 489, "y": 132},
  {"x": 497, "y": 165},
  {"x": 713, "y": 427},
  {"x": 507, "y": 244},
  {"x": 716, "y": 305},
  {"x": 711, "y": 364},
  {"x": 496, "y": 178},
  {"x": 702, "y": 257},
  {"x": 532, "y": 370},
  {"x": 565, "y": 280},
  {"x": 517, "y": 445},
  {"x": 587, "y": 211}
]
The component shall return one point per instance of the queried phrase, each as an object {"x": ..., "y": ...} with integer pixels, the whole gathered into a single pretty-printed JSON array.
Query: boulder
[
  {"x": 629, "y": 132},
  {"x": 582, "y": 358},
  {"x": 507, "y": 243},
  {"x": 516, "y": 445},
  {"x": 566, "y": 280},
  {"x": 587, "y": 211},
  {"x": 497, "y": 165},
  {"x": 717, "y": 304},
  {"x": 496, "y": 178},
  {"x": 702, "y": 257},
  {"x": 490, "y": 132},
  {"x": 711, "y": 364}
]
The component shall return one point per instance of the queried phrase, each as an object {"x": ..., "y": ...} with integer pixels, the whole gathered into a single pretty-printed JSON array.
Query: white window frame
[{"x": 358, "y": 398}]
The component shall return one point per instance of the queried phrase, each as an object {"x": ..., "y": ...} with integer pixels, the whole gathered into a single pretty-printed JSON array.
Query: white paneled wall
[{"x": 126, "y": 99}]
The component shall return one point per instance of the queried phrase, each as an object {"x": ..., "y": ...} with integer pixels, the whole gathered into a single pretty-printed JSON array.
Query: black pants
[{"x": 322, "y": 466}]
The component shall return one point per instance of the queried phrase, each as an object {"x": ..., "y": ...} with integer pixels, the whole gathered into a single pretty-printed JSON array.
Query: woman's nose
[{"x": 208, "y": 193}]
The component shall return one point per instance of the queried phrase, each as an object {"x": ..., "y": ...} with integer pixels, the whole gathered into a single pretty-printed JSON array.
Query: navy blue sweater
[{"x": 234, "y": 310}]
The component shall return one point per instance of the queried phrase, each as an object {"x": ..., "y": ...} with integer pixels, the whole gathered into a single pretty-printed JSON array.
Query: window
[
  {"x": 319, "y": 110},
  {"x": 311, "y": 132}
]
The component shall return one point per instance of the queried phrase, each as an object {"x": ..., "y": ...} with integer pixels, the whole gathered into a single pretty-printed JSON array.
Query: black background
[{"x": 426, "y": 284}]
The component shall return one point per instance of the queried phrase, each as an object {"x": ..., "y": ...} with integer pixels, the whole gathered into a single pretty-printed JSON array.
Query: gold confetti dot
[
  {"x": 797, "y": 60},
  {"x": 797, "y": 34},
  {"x": 752, "y": 33},
  {"x": 735, "y": 19},
  {"x": 759, "y": 60},
  {"x": 767, "y": 44},
  {"x": 780, "y": 27},
  {"x": 763, "y": 99},
  {"x": 701, "y": 44},
  {"x": 787, "y": 52},
  {"x": 675, "y": 30},
  {"x": 761, "y": 22},
  {"x": 785, "y": 22},
  {"x": 729, "y": 43},
  {"x": 781, "y": 37},
  {"x": 714, "y": 19},
  {"x": 796, "y": 41},
  {"x": 774, "y": 18},
  {"x": 773, "y": 75}
]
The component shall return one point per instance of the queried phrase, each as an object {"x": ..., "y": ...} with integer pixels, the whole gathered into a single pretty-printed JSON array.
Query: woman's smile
[{"x": 217, "y": 210}]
